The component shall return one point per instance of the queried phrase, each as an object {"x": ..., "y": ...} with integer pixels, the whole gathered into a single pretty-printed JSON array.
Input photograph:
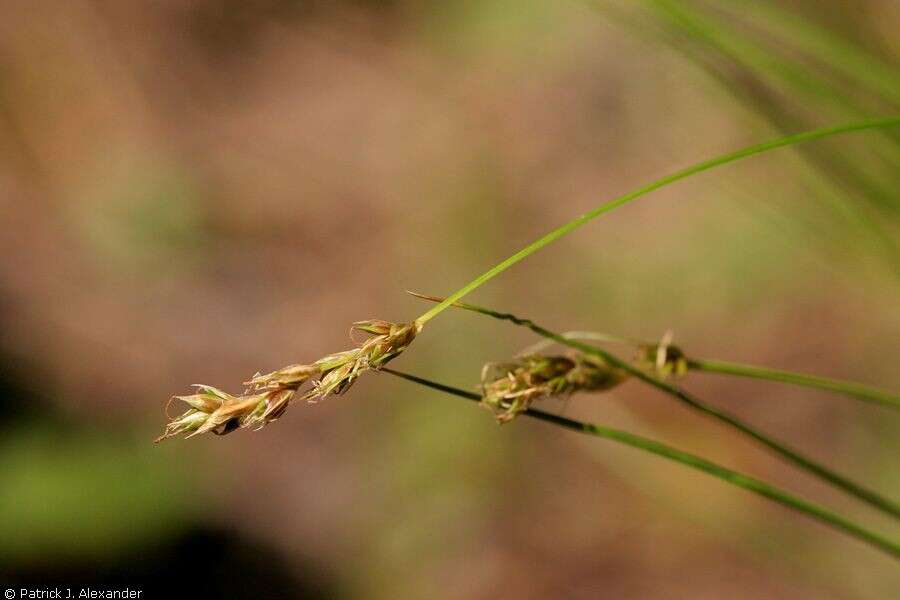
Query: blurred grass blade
[
  {"x": 763, "y": 75},
  {"x": 723, "y": 35},
  {"x": 851, "y": 61}
]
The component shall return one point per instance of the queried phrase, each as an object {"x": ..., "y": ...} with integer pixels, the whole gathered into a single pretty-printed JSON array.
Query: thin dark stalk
[
  {"x": 872, "y": 498},
  {"x": 756, "y": 486}
]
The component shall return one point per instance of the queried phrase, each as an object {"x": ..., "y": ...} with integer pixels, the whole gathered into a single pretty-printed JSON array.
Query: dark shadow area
[
  {"x": 200, "y": 559},
  {"x": 209, "y": 562}
]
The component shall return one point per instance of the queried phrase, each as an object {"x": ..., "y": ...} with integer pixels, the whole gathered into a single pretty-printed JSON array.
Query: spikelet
[
  {"x": 268, "y": 396},
  {"x": 510, "y": 388},
  {"x": 663, "y": 359}
]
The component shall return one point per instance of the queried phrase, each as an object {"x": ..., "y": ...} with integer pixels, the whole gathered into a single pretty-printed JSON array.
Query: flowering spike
[
  {"x": 508, "y": 389},
  {"x": 664, "y": 359},
  {"x": 203, "y": 402},
  {"x": 268, "y": 396},
  {"x": 211, "y": 391}
]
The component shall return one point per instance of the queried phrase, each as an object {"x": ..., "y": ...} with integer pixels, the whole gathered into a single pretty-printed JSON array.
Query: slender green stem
[
  {"x": 761, "y": 488},
  {"x": 872, "y": 498},
  {"x": 659, "y": 183},
  {"x": 850, "y": 388},
  {"x": 575, "y": 335}
]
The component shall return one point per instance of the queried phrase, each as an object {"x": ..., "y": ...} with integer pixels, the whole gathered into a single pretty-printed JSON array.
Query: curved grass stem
[
  {"x": 850, "y": 388},
  {"x": 756, "y": 486},
  {"x": 850, "y": 487},
  {"x": 650, "y": 187}
]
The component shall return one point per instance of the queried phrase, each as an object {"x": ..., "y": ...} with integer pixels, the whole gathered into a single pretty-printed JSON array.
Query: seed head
[
  {"x": 663, "y": 359},
  {"x": 268, "y": 396},
  {"x": 290, "y": 376},
  {"x": 214, "y": 410},
  {"x": 508, "y": 389}
]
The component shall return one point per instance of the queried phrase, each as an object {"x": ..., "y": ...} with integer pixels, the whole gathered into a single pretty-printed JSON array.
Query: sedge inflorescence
[
  {"x": 268, "y": 396},
  {"x": 510, "y": 388},
  {"x": 663, "y": 359}
]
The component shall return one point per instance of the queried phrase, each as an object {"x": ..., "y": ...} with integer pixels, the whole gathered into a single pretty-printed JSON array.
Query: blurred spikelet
[{"x": 663, "y": 359}]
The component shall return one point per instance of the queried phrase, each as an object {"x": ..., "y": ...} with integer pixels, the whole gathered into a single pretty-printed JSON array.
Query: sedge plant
[
  {"x": 267, "y": 397},
  {"x": 780, "y": 448}
]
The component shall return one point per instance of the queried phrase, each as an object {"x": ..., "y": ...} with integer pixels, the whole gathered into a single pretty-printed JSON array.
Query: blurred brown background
[{"x": 193, "y": 191}]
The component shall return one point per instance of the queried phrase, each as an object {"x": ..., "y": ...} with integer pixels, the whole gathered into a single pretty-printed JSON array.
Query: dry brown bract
[
  {"x": 508, "y": 389},
  {"x": 268, "y": 396}
]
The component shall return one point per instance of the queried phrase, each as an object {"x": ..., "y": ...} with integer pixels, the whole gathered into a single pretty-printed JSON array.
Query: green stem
[
  {"x": 850, "y": 388},
  {"x": 872, "y": 498},
  {"x": 659, "y": 183},
  {"x": 761, "y": 488},
  {"x": 575, "y": 335}
]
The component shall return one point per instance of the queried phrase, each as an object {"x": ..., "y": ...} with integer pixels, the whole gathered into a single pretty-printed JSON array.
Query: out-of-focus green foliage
[
  {"x": 140, "y": 216},
  {"x": 87, "y": 496},
  {"x": 793, "y": 73}
]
